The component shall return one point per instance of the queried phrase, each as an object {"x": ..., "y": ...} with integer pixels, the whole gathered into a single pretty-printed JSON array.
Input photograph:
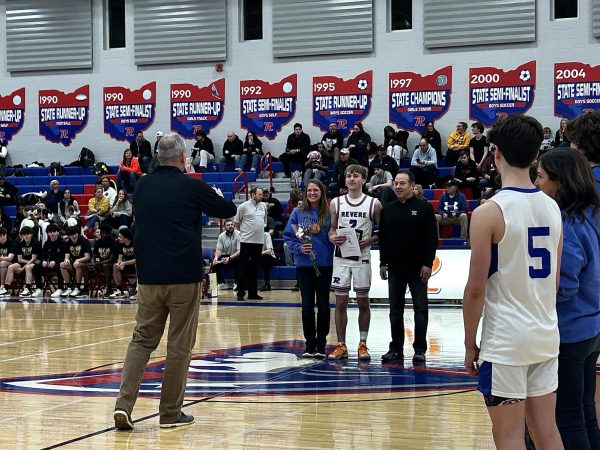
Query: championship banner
[
  {"x": 494, "y": 93},
  {"x": 576, "y": 89},
  {"x": 344, "y": 102},
  {"x": 265, "y": 108},
  {"x": 12, "y": 114},
  {"x": 126, "y": 112},
  {"x": 196, "y": 108},
  {"x": 63, "y": 115},
  {"x": 416, "y": 99}
]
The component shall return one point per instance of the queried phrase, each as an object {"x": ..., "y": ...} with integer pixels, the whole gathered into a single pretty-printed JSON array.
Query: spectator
[
  {"x": 357, "y": 143},
  {"x": 393, "y": 145},
  {"x": 109, "y": 192},
  {"x": 433, "y": 138},
  {"x": 252, "y": 149},
  {"x": 275, "y": 211},
  {"x": 53, "y": 196},
  {"x": 489, "y": 181},
  {"x": 233, "y": 148},
  {"x": 380, "y": 180},
  {"x": 452, "y": 210},
  {"x": 333, "y": 141},
  {"x": 424, "y": 164},
  {"x": 98, "y": 208},
  {"x": 418, "y": 192},
  {"x": 53, "y": 253},
  {"x": 27, "y": 251},
  {"x": 314, "y": 287},
  {"x": 78, "y": 253},
  {"x": 3, "y": 152},
  {"x": 406, "y": 258},
  {"x": 121, "y": 212},
  {"x": 227, "y": 254},
  {"x": 478, "y": 145},
  {"x": 372, "y": 150},
  {"x": 296, "y": 149},
  {"x": 8, "y": 192},
  {"x": 7, "y": 256},
  {"x": 565, "y": 176},
  {"x": 159, "y": 134},
  {"x": 203, "y": 151},
  {"x": 125, "y": 265},
  {"x": 68, "y": 207},
  {"x": 561, "y": 138},
  {"x": 466, "y": 173},
  {"x": 129, "y": 171},
  {"x": 141, "y": 150},
  {"x": 250, "y": 220},
  {"x": 104, "y": 256},
  {"x": 295, "y": 198},
  {"x": 267, "y": 261},
  {"x": 388, "y": 163},
  {"x": 314, "y": 167},
  {"x": 338, "y": 185},
  {"x": 548, "y": 142},
  {"x": 457, "y": 141},
  {"x": 584, "y": 134}
]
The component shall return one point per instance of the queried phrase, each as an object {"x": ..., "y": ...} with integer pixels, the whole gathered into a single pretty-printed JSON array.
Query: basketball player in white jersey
[
  {"x": 359, "y": 211},
  {"x": 516, "y": 242}
]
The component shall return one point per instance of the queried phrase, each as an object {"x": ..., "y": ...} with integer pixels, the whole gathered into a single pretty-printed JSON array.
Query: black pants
[
  {"x": 267, "y": 262},
  {"x": 249, "y": 262},
  {"x": 219, "y": 268},
  {"x": 425, "y": 176},
  {"x": 397, "y": 283},
  {"x": 311, "y": 288},
  {"x": 287, "y": 158},
  {"x": 39, "y": 271}
]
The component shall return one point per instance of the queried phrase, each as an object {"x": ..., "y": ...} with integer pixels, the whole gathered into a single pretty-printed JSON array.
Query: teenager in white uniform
[
  {"x": 359, "y": 211},
  {"x": 516, "y": 242}
]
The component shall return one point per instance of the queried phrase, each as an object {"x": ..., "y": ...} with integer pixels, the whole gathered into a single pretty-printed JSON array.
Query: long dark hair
[
  {"x": 323, "y": 211},
  {"x": 577, "y": 186}
]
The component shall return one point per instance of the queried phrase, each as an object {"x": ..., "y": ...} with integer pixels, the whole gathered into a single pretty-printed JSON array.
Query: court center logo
[{"x": 261, "y": 369}]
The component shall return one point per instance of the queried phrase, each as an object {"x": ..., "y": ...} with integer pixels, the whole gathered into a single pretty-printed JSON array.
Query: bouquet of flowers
[{"x": 304, "y": 234}]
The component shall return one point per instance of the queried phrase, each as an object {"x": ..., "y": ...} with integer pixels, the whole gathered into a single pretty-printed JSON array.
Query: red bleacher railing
[
  {"x": 242, "y": 188},
  {"x": 266, "y": 164}
]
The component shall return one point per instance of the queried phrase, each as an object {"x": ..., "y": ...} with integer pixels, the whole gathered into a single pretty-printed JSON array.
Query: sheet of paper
[{"x": 350, "y": 247}]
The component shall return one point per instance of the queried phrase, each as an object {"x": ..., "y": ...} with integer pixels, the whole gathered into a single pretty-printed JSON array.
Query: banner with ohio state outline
[
  {"x": 342, "y": 101},
  {"x": 63, "y": 115},
  {"x": 12, "y": 114},
  {"x": 495, "y": 93},
  {"x": 416, "y": 99},
  {"x": 265, "y": 108},
  {"x": 576, "y": 89},
  {"x": 126, "y": 112},
  {"x": 196, "y": 108}
]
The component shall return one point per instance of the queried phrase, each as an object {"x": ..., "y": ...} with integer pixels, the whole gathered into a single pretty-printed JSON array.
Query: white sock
[{"x": 363, "y": 336}]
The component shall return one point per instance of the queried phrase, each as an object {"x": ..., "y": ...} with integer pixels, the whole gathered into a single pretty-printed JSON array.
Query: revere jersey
[
  {"x": 520, "y": 324},
  {"x": 358, "y": 214}
]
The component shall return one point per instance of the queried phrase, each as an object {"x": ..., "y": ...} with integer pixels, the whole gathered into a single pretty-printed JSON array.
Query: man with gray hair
[{"x": 168, "y": 249}]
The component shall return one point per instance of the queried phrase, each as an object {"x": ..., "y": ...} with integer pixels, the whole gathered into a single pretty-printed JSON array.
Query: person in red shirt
[{"x": 129, "y": 171}]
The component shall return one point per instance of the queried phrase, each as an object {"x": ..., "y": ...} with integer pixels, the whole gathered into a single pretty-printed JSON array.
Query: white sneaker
[
  {"x": 74, "y": 293},
  {"x": 25, "y": 292},
  {"x": 3, "y": 290},
  {"x": 37, "y": 293},
  {"x": 116, "y": 294},
  {"x": 57, "y": 293},
  {"x": 67, "y": 292},
  {"x": 223, "y": 286}
]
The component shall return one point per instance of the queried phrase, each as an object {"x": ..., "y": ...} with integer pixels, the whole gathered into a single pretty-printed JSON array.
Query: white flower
[{"x": 300, "y": 233}]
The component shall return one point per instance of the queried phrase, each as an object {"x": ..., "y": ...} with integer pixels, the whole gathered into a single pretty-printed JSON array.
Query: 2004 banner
[{"x": 576, "y": 89}]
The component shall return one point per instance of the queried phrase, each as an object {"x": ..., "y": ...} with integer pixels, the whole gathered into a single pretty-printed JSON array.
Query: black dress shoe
[
  {"x": 266, "y": 287},
  {"x": 240, "y": 298},
  {"x": 392, "y": 356},
  {"x": 255, "y": 297},
  {"x": 419, "y": 357}
]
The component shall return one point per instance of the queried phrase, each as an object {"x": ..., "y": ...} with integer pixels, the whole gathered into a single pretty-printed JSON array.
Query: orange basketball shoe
[
  {"x": 339, "y": 352},
  {"x": 363, "y": 352}
]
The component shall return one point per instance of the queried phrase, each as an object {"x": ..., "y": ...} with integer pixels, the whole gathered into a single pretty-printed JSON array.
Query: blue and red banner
[
  {"x": 126, "y": 112},
  {"x": 63, "y": 115},
  {"x": 196, "y": 108},
  {"x": 495, "y": 93},
  {"x": 416, "y": 99},
  {"x": 344, "y": 102},
  {"x": 12, "y": 114},
  {"x": 576, "y": 89},
  {"x": 265, "y": 108}
]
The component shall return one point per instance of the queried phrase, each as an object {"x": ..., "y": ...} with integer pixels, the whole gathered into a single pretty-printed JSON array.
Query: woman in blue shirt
[
  {"x": 566, "y": 176},
  {"x": 306, "y": 234}
]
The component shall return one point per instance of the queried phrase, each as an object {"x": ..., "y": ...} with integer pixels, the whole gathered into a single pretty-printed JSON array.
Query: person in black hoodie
[
  {"x": 203, "y": 151},
  {"x": 333, "y": 141},
  {"x": 142, "y": 150},
  {"x": 357, "y": 143},
  {"x": 296, "y": 149},
  {"x": 466, "y": 173},
  {"x": 433, "y": 138},
  {"x": 407, "y": 258},
  {"x": 53, "y": 253},
  {"x": 8, "y": 192},
  {"x": 233, "y": 147}
]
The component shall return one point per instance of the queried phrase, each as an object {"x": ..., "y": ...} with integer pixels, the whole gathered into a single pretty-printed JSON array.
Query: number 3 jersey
[
  {"x": 520, "y": 324},
  {"x": 358, "y": 214}
]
